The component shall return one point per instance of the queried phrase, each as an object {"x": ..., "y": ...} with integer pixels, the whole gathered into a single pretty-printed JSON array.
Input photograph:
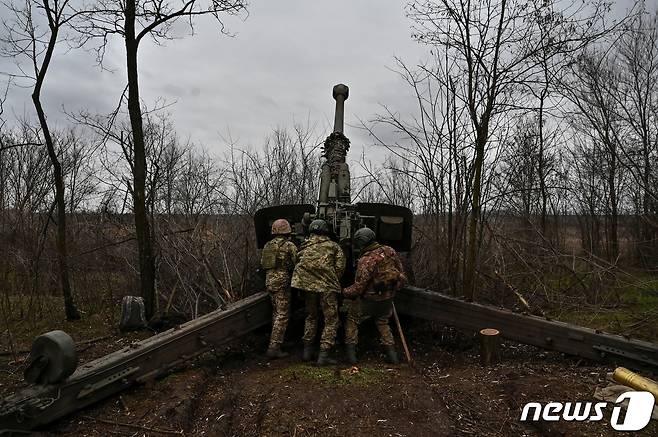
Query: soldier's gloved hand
[{"x": 349, "y": 296}]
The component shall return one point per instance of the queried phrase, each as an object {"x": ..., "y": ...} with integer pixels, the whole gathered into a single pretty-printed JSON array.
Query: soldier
[
  {"x": 318, "y": 272},
  {"x": 278, "y": 258},
  {"x": 379, "y": 274}
]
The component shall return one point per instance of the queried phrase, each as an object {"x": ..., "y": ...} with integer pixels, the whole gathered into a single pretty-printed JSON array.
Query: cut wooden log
[{"x": 489, "y": 346}]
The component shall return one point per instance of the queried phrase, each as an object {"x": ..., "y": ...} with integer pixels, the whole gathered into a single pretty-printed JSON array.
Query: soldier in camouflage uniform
[
  {"x": 318, "y": 272},
  {"x": 379, "y": 275},
  {"x": 278, "y": 258}
]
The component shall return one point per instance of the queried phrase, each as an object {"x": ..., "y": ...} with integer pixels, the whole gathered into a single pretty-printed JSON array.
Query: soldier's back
[
  {"x": 316, "y": 268},
  {"x": 278, "y": 259}
]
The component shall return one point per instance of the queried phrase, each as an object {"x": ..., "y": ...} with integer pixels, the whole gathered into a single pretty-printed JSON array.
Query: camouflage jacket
[
  {"x": 379, "y": 274},
  {"x": 320, "y": 267},
  {"x": 278, "y": 258}
]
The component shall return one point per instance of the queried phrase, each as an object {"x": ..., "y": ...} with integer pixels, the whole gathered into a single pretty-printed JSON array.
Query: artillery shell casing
[{"x": 633, "y": 380}]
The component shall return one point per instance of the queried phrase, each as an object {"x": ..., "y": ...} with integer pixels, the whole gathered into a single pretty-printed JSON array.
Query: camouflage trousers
[
  {"x": 328, "y": 302},
  {"x": 280, "y": 315},
  {"x": 381, "y": 311}
]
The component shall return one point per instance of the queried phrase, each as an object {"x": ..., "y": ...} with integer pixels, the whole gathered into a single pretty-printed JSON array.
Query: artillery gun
[
  {"x": 59, "y": 388},
  {"x": 391, "y": 223}
]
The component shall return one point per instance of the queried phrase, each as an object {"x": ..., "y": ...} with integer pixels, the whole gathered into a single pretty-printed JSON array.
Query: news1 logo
[{"x": 638, "y": 414}]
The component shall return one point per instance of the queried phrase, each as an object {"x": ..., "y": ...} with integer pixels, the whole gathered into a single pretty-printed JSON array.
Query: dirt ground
[{"x": 445, "y": 392}]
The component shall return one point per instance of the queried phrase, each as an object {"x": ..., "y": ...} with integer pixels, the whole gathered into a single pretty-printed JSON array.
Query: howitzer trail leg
[
  {"x": 142, "y": 361},
  {"x": 542, "y": 332}
]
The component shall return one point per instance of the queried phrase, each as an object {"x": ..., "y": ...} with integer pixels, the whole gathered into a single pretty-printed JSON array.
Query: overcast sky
[{"x": 281, "y": 64}]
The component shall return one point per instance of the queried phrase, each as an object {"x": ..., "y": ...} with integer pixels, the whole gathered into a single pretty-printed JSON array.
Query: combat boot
[
  {"x": 307, "y": 355},
  {"x": 323, "y": 358},
  {"x": 391, "y": 355},
  {"x": 350, "y": 351},
  {"x": 276, "y": 352}
]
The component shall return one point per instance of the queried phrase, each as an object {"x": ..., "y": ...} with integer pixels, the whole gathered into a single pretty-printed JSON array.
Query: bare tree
[
  {"x": 134, "y": 21},
  {"x": 27, "y": 38},
  {"x": 286, "y": 171},
  {"x": 78, "y": 158},
  {"x": 636, "y": 56},
  {"x": 587, "y": 176},
  {"x": 593, "y": 90},
  {"x": 429, "y": 147},
  {"x": 494, "y": 45}
]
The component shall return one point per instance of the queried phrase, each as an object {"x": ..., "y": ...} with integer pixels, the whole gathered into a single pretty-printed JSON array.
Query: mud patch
[{"x": 289, "y": 399}]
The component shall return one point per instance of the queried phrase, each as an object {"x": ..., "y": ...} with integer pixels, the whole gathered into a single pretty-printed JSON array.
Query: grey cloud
[{"x": 282, "y": 63}]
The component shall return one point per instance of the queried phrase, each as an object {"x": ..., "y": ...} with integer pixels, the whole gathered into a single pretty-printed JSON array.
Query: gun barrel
[{"x": 340, "y": 93}]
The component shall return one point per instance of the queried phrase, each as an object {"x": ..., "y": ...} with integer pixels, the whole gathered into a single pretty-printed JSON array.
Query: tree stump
[{"x": 489, "y": 346}]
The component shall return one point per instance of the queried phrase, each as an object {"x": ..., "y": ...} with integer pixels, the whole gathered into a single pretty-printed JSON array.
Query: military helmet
[
  {"x": 363, "y": 238},
  {"x": 318, "y": 227},
  {"x": 281, "y": 227}
]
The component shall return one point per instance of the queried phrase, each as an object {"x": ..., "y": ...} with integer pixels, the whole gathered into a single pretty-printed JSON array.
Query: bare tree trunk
[
  {"x": 471, "y": 258},
  {"x": 142, "y": 228},
  {"x": 614, "y": 209},
  {"x": 541, "y": 165},
  {"x": 647, "y": 228},
  {"x": 62, "y": 256}
]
